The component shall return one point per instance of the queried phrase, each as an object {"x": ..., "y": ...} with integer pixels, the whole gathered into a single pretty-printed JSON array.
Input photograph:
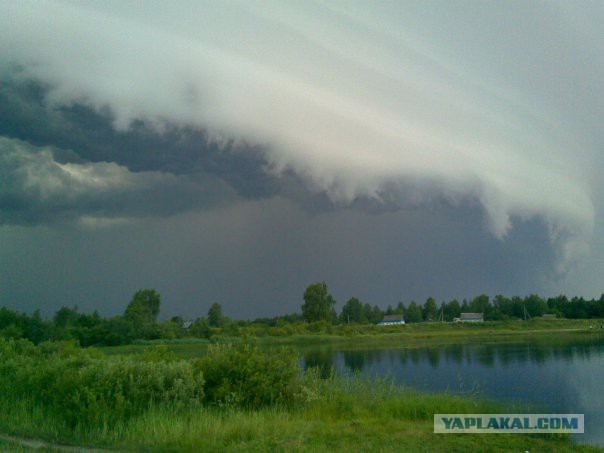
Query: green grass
[
  {"x": 338, "y": 415},
  {"x": 335, "y": 414},
  {"x": 407, "y": 336}
]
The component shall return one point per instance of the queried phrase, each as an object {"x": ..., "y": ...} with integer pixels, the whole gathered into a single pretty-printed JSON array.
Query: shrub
[
  {"x": 83, "y": 388},
  {"x": 243, "y": 376}
]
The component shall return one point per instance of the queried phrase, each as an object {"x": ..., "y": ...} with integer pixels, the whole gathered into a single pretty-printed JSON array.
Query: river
[{"x": 554, "y": 373}]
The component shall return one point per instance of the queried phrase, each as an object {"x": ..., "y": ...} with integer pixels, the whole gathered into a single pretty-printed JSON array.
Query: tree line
[
  {"x": 139, "y": 320},
  {"x": 319, "y": 305}
]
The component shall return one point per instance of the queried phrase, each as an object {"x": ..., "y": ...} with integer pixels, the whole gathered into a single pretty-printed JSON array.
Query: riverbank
[
  {"x": 232, "y": 399},
  {"x": 339, "y": 415},
  {"x": 370, "y": 336}
]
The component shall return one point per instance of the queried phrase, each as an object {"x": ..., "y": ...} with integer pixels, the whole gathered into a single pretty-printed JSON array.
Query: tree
[
  {"x": 141, "y": 314},
  {"x": 177, "y": 320},
  {"x": 558, "y": 304},
  {"x": 144, "y": 306},
  {"x": 452, "y": 310},
  {"x": 352, "y": 311},
  {"x": 12, "y": 331},
  {"x": 318, "y": 303},
  {"x": 504, "y": 305},
  {"x": 66, "y": 317},
  {"x": 400, "y": 309},
  {"x": 200, "y": 329},
  {"x": 480, "y": 304},
  {"x": 215, "y": 318},
  {"x": 430, "y": 311},
  {"x": 414, "y": 313},
  {"x": 373, "y": 314},
  {"x": 535, "y": 305},
  {"x": 34, "y": 328}
]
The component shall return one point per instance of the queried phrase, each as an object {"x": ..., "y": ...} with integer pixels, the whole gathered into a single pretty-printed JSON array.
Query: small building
[
  {"x": 392, "y": 320},
  {"x": 470, "y": 317},
  {"x": 187, "y": 324},
  {"x": 549, "y": 316}
]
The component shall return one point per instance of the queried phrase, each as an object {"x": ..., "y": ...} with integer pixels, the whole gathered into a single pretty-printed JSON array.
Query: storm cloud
[
  {"x": 35, "y": 189},
  {"x": 491, "y": 111}
]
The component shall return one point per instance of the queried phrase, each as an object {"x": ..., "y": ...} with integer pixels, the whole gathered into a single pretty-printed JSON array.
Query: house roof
[
  {"x": 390, "y": 318},
  {"x": 471, "y": 316}
]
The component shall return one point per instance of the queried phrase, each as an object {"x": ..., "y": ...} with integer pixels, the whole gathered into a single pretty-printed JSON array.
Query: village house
[
  {"x": 392, "y": 320},
  {"x": 470, "y": 317}
]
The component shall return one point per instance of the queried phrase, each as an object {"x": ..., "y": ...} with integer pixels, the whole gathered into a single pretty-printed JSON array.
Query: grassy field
[
  {"x": 312, "y": 414},
  {"x": 339, "y": 415},
  {"x": 407, "y": 336}
]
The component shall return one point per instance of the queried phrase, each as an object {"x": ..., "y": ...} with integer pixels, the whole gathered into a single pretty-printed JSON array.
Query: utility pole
[{"x": 526, "y": 313}]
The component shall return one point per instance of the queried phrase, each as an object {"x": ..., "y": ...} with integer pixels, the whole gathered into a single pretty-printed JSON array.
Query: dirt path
[{"x": 36, "y": 444}]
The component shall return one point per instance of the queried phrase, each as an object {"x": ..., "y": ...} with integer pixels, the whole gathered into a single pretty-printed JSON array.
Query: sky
[{"x": 236, "y": 152}]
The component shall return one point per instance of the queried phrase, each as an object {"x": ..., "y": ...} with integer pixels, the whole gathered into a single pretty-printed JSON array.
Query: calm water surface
[{"x": 559, "y": 373}]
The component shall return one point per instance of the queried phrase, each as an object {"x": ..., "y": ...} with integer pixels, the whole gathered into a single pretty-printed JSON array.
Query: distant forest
[{"x": 139, "y": 321}]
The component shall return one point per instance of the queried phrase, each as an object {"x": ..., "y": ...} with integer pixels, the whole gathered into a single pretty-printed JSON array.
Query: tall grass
[{"x": 239, "y": 411}]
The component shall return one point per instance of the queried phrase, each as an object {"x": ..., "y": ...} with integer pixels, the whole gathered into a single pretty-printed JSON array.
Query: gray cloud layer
[
  {"x": 392, "y": 108},
  {"x": 352, "y": 101},
  {"x": 35, "y": 188}
]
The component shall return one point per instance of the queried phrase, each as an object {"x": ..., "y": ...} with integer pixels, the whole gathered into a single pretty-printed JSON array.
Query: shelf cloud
[{"x": 398, "y": 105}]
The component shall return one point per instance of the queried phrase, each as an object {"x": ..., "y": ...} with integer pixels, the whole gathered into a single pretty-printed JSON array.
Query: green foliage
[
  {"x": 144, "y": 306},
  {"x": 243, "y": 376},
  {"x": 12, "y": 331},
  {"x": 319, "y": 326},
  {"x": 414, "y": 313},
  {"x": 170, "y": 330},
  {"x": 200, "y": 329},
  {"x": 373, "y": 314},
  {"x": 452, "y": 310},
  {"x": 352, "y": 311},
  {"x": 141, "y": 314},
  {"x": 337, "y": 414},
  {"x": 331, "y": 413},
  {"x": 318, "y": 303},
  {"x": 215, "y": 318},
  {"x": 19, "y": 325},
  {"x": 480, "y": 304},
  {"x": 139, "y": 321},
  {"x": 86, "y": 389},
  {"x": 430, "y": 311}
]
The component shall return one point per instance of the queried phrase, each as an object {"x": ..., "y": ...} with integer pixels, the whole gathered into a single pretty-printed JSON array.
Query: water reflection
[
  {"x": 560, "y": 372},
  {"x": 322, "y": 359},
  {"x": 488, "y": 355}
]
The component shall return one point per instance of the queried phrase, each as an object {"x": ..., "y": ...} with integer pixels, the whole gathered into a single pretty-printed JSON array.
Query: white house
[
  {"x": 392, "y": 320},
  {"x": 470, "y": 317}
]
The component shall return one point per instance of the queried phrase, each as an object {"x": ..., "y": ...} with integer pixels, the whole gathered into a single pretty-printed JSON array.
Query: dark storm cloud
[
  {"x": 37, "y": 188},
  {"x": 351, "y": 100},
  {"x": 80, "y": 133}
]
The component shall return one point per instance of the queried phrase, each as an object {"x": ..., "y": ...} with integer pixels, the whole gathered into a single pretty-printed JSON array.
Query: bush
[
  {"x": 319, "y": 326},
  {"x": 243, "y": 376},
  {"x": 83, "y": 389}
]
